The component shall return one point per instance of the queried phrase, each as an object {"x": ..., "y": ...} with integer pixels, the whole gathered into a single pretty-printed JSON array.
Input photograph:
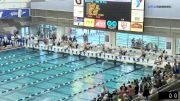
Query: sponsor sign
[
  {"x": 137, "y": 16},
  {"x": 137, "y": 26},
  {"x": 78, "y": 11},
  {"x": 124, "y": 25},
  {"x": 78, "y": 21},
  {"x": 112, "y": 24},
  {"x": 88, "y": 22},
  {"x": 100, "y": 23}
]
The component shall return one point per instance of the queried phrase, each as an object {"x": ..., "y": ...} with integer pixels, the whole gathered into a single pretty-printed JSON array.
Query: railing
[{"x": 154, "y": 97}]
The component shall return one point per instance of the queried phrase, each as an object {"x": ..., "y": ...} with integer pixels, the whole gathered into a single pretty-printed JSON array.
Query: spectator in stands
[
  {"x": 146, "y": 92},
  {"x": 105, "y": 98},
  {"x": 174, "y": 69},
  {"x": 27, "y": 39},
  {"x": 94, "y": 99},
  {"x": 46, "y": 41},
  {"x": 153, "y": 90},
  {"x": 63, "y": 38},
  {"x": 178, "y": 68},
  {"x": 161, "y": 56},
  {"x": 70, "y": 39},
  {"x": 143, "y": 54},
  {"x": 158, "y": 61},
  {"x": 5, "y": 41},
  {"x": 174, "y": 77},
  {"x": 165, "y": 56},
  {"x": 122, "y": 92},
  {"x": 85, "y": 37},
  {"x": 168, "y": 67},
  {"x": 136, "y": 88},
  {"x": 99, "y": 98},
  {"x": 114, "y": 97},
  {"x": 74, "y": 39},
  {"x": 130, "y": 92},
  {"x": 133, "y": 42}
]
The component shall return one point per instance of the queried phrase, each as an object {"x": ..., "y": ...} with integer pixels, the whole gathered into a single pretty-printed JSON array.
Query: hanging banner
[{"x": 14, "y": 13}]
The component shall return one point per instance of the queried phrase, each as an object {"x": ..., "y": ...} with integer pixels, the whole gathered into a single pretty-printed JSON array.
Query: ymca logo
[
  {"x": 112, "y": 24},
  {"x": 138, "y": 3}
]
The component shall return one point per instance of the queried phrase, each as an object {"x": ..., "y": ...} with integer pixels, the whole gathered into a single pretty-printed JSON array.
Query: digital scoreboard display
[{"x": 125, "y": 15}]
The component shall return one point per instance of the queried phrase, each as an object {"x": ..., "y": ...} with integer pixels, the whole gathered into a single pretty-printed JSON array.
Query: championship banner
[{"x": 14, "y": 13}]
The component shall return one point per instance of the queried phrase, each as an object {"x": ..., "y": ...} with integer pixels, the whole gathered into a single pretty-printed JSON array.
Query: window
[
  {"x": 24, "y": 31},
  {"x": 94, "y": 36},
  {"x": 122, "y": 39},
  {"x": 162, "y": 43},
  {"x": 47, "y": 30}
]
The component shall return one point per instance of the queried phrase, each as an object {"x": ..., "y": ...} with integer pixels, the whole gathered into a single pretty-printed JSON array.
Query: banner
[
  {"x": 14, "y": 13},
  {"x": 162, "y": 9}
]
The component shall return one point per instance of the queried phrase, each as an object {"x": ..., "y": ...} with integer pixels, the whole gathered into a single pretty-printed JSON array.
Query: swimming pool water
[{"x": 34, "y": 75}]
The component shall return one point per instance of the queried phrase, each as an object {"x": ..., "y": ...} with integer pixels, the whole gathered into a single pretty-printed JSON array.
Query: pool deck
[{"x": 100, "y": 55}]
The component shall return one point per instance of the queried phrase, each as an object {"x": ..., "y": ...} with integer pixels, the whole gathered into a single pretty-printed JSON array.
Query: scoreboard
[{"x": 125, "y": 15}]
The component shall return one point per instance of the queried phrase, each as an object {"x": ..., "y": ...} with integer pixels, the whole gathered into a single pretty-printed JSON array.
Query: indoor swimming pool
[{"x": 32, "y": 75}]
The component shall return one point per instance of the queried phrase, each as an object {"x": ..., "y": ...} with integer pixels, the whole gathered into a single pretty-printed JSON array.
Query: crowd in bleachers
[{"x": 144, "y": 87}]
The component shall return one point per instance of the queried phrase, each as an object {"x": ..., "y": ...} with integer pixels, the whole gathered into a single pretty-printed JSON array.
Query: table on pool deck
[{"x": 34, "y": 75}]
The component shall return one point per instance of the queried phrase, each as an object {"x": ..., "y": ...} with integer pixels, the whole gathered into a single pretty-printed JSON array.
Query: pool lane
[
  {"x": 78, "y": 81},
  {"x": 23, "y": 57},
  {"x": 112, "y": 85},
  {"x": 41, "y": 78},
  {"x": 65, "y": 68},
  {"x": 16, "y": 53},
  {"x": 41, "y": 68},
  {"x": 35, "y": 61}
]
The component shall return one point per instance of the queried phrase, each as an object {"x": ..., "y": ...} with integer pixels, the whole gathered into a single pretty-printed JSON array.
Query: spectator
[
  {"x": 74, "y": 39},
  {"x": 153, "y": 90},
  {"x": 178, "y": 68},
  {"x": 169, "y": 80},
  {"x": 130, "y": 92},
  {"x": 94, "y": 99},
  {"x": 174, "y": 69},
  {"x": 70, "y": 39},
  {"x": 146, "y": 92},
  {"x": 99, "y": 98},
  {"x": 114, "y": 97},
  {"x": 174, "y": 77},
  {"x": 168, "y": 67},
  {"x": 165, "y": 56},
  {"x": 136, "y": 88},
  {"x": 105, "y": 98},
  {"x": 121, "y": 92},
  {"x": 125, "y": 97}
]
